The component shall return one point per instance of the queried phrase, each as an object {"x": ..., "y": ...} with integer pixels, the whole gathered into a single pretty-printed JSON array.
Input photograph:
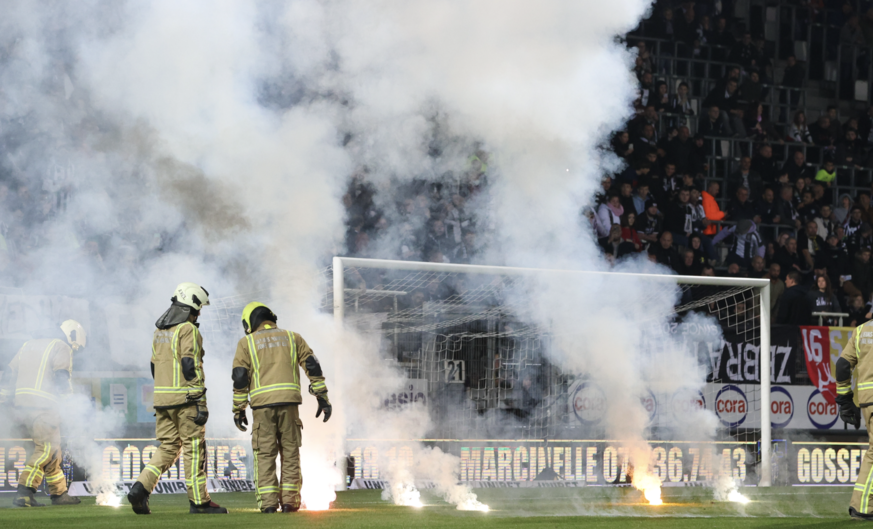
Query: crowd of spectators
[{"x": 762, "y": 218}]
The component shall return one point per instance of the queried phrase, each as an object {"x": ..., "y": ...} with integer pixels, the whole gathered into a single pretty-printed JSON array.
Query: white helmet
[
  {"x": 192, "y": 295},
  {"x": 75, "y": 334}
]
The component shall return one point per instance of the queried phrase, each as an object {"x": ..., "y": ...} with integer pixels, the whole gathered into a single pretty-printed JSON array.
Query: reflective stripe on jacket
[
  {"x": 33, "y": 370},
  {"x": 272, "y": 358},
  {"x": 169, "y": 347}
]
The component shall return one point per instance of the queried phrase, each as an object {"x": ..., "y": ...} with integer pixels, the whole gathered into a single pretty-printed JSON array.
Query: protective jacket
[
  {"x": 38, "y": 374},
  {"x": 177, "y": 366},
  {"x": 266, "y": 369},
  {"x": 857, "y": 356}
]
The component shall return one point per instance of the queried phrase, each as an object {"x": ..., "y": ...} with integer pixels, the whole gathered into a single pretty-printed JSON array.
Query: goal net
[{"x": 487, "y": 372}]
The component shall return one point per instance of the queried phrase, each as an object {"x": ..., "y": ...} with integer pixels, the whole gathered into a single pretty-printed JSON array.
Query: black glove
[
  {"x": 849, "y": 413},
  {"x": 202, "y": 415},
  {"x": 324, "y": 405},
  {"x": 240, "y": 420}
]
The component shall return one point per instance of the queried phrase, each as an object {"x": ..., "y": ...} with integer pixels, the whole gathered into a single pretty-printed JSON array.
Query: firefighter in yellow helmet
[
  {"x": 266, "y": 376},
  {"x": 38, "y": 376},
  {"x": 856, "y": 406},
  {"x": 180, "y": 402}
]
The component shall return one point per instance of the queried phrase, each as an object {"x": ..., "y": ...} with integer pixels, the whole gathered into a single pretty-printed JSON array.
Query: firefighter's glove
[
  {"x": 849, "y": 413},
  {"x": 240, "y": 420},
  {"x": 324, "y": 406},
  {"x": 202, "y": 415}
]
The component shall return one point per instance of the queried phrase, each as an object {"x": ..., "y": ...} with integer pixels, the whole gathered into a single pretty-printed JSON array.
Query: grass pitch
[{"x": 527, "y": 508}]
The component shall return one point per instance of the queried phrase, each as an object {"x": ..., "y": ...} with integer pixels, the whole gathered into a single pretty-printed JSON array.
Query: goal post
[{"x": 759, "y": 286}]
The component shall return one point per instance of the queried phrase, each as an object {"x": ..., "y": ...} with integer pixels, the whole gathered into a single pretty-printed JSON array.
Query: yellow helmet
[
  {"x": 75, "y": 334},
  {"x": 251, "y": 320}
]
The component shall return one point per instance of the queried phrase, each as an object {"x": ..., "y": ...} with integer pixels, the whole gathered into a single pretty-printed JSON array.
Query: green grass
[{"x": 526, "y": 508}]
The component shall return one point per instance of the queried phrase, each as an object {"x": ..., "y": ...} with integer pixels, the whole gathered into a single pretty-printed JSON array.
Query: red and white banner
[{"x": 817, "y": 351}]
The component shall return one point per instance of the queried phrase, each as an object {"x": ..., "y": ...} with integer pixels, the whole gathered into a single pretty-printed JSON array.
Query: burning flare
[
  {"x": 108, "y": 498},
  {"x": 404, "y": 494},
  {"x": 735, "y": 496},
  {"x": 651, "y": 487},
  {"x": 473, "y": 504},
  {"x": 322, "y": 477}
]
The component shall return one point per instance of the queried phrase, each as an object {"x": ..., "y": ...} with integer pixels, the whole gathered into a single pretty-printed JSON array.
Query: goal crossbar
[{"x": 762, "y": 285}]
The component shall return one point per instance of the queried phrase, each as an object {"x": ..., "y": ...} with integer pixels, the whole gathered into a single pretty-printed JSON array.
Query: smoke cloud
[{"x": 212, "y": 142}]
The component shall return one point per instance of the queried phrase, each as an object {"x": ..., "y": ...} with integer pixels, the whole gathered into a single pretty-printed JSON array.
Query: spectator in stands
[
  {"x": 712, "y": 125},
  {"x": 613, "y": 245},
  {"x": 687, "y": 25},
  {"x": 649, "y": 225},
  {"x": 744, "y": 176},
  {"x": 661, "y": 97},
  {"x": 757, "y": 268},
  {"x": 751, "y": 89},
  {"x": 789, "y": 259},
  {"x": 744, "y": 52},
  {"x": 726, "y": 99},
  {"x": 636, "y": 171},
  {"x": 740, "y": 207},
  {"x": 857, "y": 312},
  {"x": 767, "y": 211},
  {"x": 622, "y": 146},
  {"x": 799, "y": 131},
  {"x": 862, "y": 276},
  {"x": 842, "y": 211},
  {"x": 679, "y": 218},
  {"x": 609, "y": 214},
  {"x": 833, "y": 260},
  {"x": 808, "y": 208},
  {"x": 859, "y": 239},
  {"x": 793, "y": 75},
  {"x": 648, "y": 116},
  {"x": 695, "y": 244},
  {"x": 711, "y": 210},
  {"x": 796, "y": 167},
  {"x": 439, "y": 240},
  {"x": 679, "y": 150},
  {"x": 689, "y": 266},
  {"x": 834, "y": 117},
  {"x": 644, "y": 56},
  {"x": 640, "y": 198},
  {"x": 647, "y": 141},
  {"x": 665, "y": 253},
  {"x": 758, "y": 127},
  {"x": 820, "y": 131},
  {"x": 629, "y": 232},
  {"x": 466, "y": 252},
  {"x": 850, "y": 151},
  {"x": 747, "y": 243},
  {"x": 822, "y": 299},
  {"x": 777, "y": 287},
  {"x": 863, "y": 202},
  {"x": 626, "y": 197},
  {"x": 810, "y": 244},
  {"x": 854, "y": 222},
  {"x": 664, "y": 27},
  {"x": 794, "y": 304},
  {"x": 826, "y": 226},
  {"x": 722, "y": 35},
  {"x": 765, "y": 164},
  {"x": 647, "y": 90},
  {"x": 680, "y": 103},
  {"x": 788, "y": 215}
]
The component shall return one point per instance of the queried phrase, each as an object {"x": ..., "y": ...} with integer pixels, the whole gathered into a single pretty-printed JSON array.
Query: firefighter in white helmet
[
  {"x": 36, "y": 379},
  {"x": 266, "y": 375},
  {"x": 180, "y": 402}
]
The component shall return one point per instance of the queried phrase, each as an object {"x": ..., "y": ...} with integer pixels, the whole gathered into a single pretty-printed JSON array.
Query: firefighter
[
  {"x": 266, "y": 377},
  {"x": 38, "y": 375},
  {"x": 180, "y": 402},
  {"x": 857, "y": 356}
]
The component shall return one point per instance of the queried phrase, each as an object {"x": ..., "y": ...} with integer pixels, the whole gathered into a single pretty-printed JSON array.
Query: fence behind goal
[{"x": 487, "y": 374}]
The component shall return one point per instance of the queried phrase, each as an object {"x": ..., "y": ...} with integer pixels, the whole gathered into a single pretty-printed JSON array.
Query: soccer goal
[{"x": 486, "y": 372}]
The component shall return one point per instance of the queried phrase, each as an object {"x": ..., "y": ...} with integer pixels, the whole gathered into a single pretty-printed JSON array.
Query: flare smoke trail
[{"x": 229, "y": 130}]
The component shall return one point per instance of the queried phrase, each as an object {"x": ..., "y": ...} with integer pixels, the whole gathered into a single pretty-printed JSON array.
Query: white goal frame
[{"x": 762, "y": 285}]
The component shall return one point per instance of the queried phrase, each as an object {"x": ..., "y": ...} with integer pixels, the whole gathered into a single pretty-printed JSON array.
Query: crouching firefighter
[
  {"x": 36, "y": 379},
  {"x": 180, "y": 402},
  {"x": 857, "y": 406},
  {"x": 266, "y": 376}
]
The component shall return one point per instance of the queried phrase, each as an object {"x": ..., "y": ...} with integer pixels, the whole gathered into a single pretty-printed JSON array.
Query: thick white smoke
[{"x": 179, "y": 136}]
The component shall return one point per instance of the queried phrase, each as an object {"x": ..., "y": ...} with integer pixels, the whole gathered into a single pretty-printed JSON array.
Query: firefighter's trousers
[
  {"x": 276, "y": 431},
  {"x": 863, "y": 492},
  {"x": 178, "y": 433},
  {"x": 43, "y": 426}
]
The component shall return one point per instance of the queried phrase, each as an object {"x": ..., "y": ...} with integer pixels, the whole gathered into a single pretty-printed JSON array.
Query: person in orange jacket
[{"x": 711, "y": 209}]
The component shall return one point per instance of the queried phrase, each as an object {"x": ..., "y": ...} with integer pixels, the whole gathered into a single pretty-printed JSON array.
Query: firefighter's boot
[
  {"x": 269, "y": 510},
  {"x": 859, "y": 516},
  {"x": 24, "y": 497},
  {"x": 290, "y": 508},
  {"x": 65, "y": 499},
  {"x": 139, "y": 499},
  {"x": 209, "y": 507}
]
